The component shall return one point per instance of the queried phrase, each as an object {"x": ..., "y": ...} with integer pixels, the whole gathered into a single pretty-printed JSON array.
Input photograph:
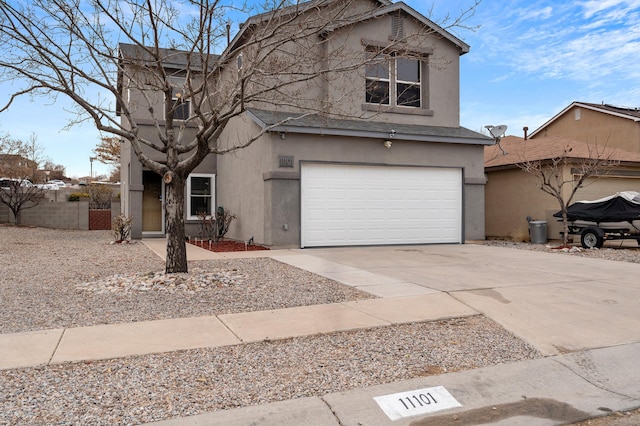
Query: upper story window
[
  {"x": 408, "y": 87},
  {"x": 393, "y": 80},
  {"x": 377, "y": 79},
  {"x": 181, "y": 106},
  {"x": 397, "y": 81}
]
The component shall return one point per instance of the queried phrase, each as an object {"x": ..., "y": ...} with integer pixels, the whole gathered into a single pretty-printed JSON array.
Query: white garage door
[{"x": 367, "y": 205}]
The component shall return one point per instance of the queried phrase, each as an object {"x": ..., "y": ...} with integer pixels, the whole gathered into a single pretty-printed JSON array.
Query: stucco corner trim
[
  {"x": 278, "y": 175},
  {"x": 475, "y": 181}
]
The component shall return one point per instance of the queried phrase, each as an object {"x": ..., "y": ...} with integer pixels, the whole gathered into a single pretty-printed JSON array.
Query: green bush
[{"x": 76, "y": 196}]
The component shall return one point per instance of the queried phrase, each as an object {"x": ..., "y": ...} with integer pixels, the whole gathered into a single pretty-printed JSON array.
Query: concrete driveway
[{"x": 555, "y": 302}]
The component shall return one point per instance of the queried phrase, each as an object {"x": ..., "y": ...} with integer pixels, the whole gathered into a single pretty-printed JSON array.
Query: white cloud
[{"x": 615, "y": 7}]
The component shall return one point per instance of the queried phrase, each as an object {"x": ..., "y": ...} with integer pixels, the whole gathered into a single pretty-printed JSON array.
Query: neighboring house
[
  {"x": 600, "y": 124},
  {"x": 388, "y": 163},
  {"x": 16, "y": 166},
  {"x": 512, "y": 194}
]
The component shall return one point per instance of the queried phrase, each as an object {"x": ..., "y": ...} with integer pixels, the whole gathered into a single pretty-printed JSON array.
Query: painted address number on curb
[{"x": 412, "y": 403}]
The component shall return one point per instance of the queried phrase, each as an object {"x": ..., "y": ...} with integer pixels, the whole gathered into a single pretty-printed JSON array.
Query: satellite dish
[{"x": 497, "y": 131}]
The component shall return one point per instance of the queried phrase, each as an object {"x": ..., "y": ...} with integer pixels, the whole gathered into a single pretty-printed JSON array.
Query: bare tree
[
  {"x": 50, "y": 166},
  {"x": 108, "y": 151},
  {"x": 18, "y": 167},
  {"x": 562, "y": 175},
  {"x": 70, "y": 48}
]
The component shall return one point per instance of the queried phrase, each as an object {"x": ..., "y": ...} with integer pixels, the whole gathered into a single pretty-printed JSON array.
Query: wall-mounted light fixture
[{"x": 388, "y": 143}]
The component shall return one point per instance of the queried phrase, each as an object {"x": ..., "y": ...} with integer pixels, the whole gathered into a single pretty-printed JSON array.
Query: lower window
[{"x": 200, "y": 194}]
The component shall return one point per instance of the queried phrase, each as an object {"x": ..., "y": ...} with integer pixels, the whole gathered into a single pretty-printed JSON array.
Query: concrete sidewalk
[
  {"x": 581, "y": 313},
  {"x": 56, "y": 346},
  {"x": 548, "y": 391}
]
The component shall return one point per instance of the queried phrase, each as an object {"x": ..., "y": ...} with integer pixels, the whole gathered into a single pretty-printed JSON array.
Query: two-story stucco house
[{"x": 374, "y": 154}]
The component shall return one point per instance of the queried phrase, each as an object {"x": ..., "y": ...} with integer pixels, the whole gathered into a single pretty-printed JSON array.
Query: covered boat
[
  {"x": 616, "y": 217},
  {"x": 621, "y": 207}
]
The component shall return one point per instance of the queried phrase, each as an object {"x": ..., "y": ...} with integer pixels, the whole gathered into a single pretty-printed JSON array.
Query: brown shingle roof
[{"x": 519, "y": 150}]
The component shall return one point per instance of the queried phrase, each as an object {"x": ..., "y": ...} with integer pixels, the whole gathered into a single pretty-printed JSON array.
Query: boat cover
[{"x": 621, "y": 207}]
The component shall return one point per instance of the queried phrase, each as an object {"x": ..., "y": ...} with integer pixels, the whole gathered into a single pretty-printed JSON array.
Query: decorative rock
[{"x": 196, "y": 280}]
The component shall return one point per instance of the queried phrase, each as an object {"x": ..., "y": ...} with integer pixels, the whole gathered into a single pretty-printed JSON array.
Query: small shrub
[
  {"x": 100, "y": 196},
  {"x": 207, "y": 226},
  {"x": 122, "y": 227},
  {"x": 223, "y": 221},
  {"x": 76, "y": 196},
  {"x": 215, "y": 227}
]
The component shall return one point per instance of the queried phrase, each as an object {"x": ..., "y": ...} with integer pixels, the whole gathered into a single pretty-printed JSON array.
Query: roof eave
[{"x": 329, "y": 131}]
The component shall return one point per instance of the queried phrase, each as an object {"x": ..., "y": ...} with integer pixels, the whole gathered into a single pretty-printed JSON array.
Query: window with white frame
[
  {"x": 200, "y": 194},
  {"x": 393, "y": 80},
  {"x": 377, "y": 79},
  {"x": 408, "y": 87}
]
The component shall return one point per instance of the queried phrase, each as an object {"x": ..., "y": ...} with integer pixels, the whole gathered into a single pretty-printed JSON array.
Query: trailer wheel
[{"x": 592, "y": 238}]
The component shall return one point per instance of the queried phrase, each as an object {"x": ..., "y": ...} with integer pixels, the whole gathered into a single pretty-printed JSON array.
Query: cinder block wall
[
  {"x": 4, "y": 213},
  {"x": 53, "y": 212},
  {"x": 59, "y": 215}
]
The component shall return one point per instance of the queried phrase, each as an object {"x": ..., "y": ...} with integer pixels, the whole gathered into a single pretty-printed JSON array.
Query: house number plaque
[
  {"x": 285, "y": 161},
  {"x": 412, "y": 403}
]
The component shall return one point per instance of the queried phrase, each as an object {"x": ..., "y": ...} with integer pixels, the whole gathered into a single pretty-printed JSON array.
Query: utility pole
[{"x": 91, "y": 168}]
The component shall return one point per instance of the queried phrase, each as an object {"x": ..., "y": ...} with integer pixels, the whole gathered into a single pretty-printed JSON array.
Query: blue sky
[{"x": 528, "y": 61}]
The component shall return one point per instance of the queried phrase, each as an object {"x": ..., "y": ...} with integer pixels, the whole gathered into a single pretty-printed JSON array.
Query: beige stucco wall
[
  {"x": 511, "y": 195},
  {"x": 596, "y": 127}
]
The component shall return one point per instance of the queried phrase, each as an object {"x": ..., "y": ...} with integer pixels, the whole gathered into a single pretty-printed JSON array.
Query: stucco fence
[{"x": 54, "y": 212}]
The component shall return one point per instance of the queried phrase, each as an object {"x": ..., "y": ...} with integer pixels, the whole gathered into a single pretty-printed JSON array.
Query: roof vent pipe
[
  {"x": 228, "y": 33},
  {"x": 526, "y": 129}
]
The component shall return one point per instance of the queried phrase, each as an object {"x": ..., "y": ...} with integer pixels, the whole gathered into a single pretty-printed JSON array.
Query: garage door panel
[{"x": 365, "y": 205}]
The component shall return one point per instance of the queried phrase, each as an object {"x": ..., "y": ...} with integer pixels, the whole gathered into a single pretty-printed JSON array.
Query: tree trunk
[
  {"x": 16, "y": 216},
  {"x": 565, "y": 224},
  {"x": 176, "y": 246}
]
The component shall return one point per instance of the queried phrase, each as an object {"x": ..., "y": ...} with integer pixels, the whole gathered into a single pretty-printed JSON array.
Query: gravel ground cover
[
  {"x": 621, "y": 252},
  {"x": 154, "y": 387},
  {"x": 57, "y": 279},
  {"x": 70, "y": 278}
]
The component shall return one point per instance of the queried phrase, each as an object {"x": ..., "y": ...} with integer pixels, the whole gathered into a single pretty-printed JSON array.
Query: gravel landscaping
[
  {"x": 57, "y": 279},
  {"x": 54, "y": 279}
]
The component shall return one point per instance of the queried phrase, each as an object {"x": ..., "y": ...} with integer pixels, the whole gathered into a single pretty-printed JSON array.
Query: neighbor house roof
[
  {"x": 513, "y": 150},
  {"x": 630, "y": 113},
  {"x": 319, "y": 125}
]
